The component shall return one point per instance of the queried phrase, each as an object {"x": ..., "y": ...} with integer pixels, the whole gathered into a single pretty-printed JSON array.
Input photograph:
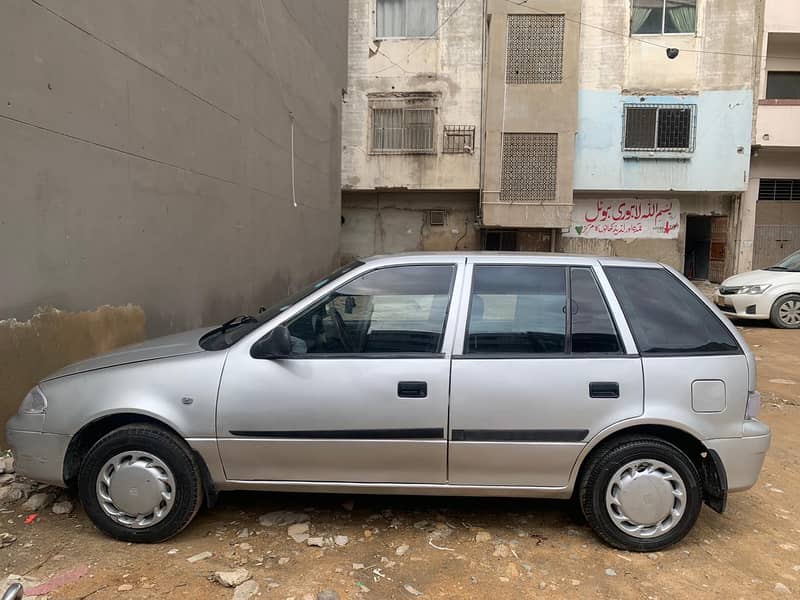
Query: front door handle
[
  {"x": 412, "y": 389},
  {"x": 604, "y": 389}
]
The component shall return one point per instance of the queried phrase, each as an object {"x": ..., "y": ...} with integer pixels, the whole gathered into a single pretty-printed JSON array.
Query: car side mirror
[{"x": 276, "y": 344}]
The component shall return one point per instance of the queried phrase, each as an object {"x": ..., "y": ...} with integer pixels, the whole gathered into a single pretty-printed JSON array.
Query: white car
[{"x": 772, "y": 293}]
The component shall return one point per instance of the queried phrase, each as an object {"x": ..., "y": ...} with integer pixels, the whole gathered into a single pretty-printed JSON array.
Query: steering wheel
[{"x": 341, "y": 329}]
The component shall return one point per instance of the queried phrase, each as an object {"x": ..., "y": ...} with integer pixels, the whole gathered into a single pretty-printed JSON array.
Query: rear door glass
[
  {"x": 666, "y": 317},
  {"x": 593, "y": 330}
]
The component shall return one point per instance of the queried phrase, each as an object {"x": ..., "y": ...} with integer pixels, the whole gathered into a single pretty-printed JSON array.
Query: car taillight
[{"x": 753, "y": 405}]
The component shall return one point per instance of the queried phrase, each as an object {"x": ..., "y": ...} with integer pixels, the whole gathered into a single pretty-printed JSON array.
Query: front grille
[{"x": 727, "y": 291}]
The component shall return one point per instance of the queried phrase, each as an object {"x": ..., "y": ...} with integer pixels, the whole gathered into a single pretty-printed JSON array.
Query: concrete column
[{"x": 747, "y": 227}]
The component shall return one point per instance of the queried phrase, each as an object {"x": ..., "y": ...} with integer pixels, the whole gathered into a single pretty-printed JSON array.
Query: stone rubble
[
  {"x": 282, "y": 517},
  {"x": 38, "y": 501},
  {"x": 246, "y": 590},
  {"x": 232, "y": 578},
  {"x": 62, "y": 508}
]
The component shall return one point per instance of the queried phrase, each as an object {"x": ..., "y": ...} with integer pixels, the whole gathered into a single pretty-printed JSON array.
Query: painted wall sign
[{"x": 625, "y": 219}]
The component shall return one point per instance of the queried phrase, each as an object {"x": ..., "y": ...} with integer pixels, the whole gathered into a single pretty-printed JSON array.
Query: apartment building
[
  {"x": 411, "y": 131},
  {"x": 614, "y": 127},
  {"x": 771, "y": 205}
]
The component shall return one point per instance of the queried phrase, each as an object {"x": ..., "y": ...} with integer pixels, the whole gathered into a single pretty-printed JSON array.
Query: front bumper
[
  {"x": 743, "y": 306},
  {"x": 743, "y": 457},
  {"x": 39, "y": 456}
]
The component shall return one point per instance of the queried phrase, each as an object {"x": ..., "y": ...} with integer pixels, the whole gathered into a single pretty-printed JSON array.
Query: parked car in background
[
  {"x": 611, "y": 382},
  {"x": 772, "y": 293}
]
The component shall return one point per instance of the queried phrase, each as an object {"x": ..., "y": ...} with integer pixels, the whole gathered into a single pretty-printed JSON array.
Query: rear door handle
[
  {"x": 604, "y": 389},
  {"x": 412, "y": 389}
]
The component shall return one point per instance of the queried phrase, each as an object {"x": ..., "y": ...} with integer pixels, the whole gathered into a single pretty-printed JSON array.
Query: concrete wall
[
  {"x": 144, "y": 153},
  {"x": 447, "y": 65},
  {"x": 387, "y": 222},
  {"x": 145, "y": 159}
]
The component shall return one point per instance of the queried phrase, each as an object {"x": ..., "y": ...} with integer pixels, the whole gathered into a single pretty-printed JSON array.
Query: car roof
[{"x": 500, "y": 257}]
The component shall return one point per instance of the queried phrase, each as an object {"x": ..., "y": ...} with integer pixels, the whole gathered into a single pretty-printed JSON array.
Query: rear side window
[
  {"x": 665, "y": 316},
  {"x": 593, "y": 330}
]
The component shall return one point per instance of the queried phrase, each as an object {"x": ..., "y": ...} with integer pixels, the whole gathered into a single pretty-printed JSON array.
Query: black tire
[
  {"x": 774, "y": 313},
  {"x": 602, "y": 466},
  {"x": 170, "y": 449}
]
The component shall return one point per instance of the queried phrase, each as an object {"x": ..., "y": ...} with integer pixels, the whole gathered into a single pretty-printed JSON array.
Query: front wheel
[
  {"x": 785, "y": 312},
  {"x": 641, "y": 495},
  {"x": 140, "y": 483}
]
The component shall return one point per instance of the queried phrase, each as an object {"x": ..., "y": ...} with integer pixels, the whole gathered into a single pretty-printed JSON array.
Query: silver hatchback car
[{"x": 612, "y": 382}]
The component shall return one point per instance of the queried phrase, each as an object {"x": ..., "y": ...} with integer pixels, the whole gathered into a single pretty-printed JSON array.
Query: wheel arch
[
  {"x": 88, "y": 435},
  {"x": 710, "y": 467}
]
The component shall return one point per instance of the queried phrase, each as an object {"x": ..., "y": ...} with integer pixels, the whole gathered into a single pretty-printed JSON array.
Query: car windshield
[
  {"x": 790, "y": 263},
  {"x": 232, "y": 330}
]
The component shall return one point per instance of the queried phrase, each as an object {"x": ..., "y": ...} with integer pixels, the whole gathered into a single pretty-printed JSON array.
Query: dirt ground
[{"x": 533, "y": 548}]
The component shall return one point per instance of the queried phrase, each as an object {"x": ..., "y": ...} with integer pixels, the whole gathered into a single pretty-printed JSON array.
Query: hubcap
[
  {"x": 789, "y": 312},
  {"x": 136, "y": 489},
  {"x": 646, "y": 498}
]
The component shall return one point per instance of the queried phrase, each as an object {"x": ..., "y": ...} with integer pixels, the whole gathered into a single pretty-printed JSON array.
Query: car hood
[
  {"x": 761, "y": 276},
  {"x": 163, "y": 347}
]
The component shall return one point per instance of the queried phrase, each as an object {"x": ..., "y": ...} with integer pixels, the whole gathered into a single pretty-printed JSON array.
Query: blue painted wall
[{"x": 724, "y": 123}]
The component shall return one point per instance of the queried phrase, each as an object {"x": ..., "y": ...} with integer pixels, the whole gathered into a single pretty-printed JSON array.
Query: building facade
[
  {"x": 771, "y": 205},
  {"x": 614, "y": 127},
  {"x": 411, "y": 133}
]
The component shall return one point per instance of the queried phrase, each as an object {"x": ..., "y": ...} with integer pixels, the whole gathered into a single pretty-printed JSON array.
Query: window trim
[
  {"x": 645, "y": 354},
  {"x": 660, "y": 152},
  {"x": 664, "y": 22},
  {"x": 567, "y": 354},
  {"x": 440, "y": 353},
  {"x": 433, "y": 36}
]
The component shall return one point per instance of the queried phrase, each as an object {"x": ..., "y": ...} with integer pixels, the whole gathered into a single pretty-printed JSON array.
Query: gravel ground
[{"x": 403, "y": 547}]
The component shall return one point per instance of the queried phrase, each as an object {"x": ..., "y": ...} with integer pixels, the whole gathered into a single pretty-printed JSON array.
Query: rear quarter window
[{"x": 665, "y": 316}]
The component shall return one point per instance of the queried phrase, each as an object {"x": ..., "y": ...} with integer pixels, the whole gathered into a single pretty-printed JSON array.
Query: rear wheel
[
  {"x": 785, "y": 312},
  {"x": 641, "y": 495},
  {"x": 140, "y": 483}
]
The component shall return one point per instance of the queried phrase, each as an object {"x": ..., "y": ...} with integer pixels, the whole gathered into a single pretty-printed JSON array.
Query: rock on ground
[
  {"x": 6, "y": 539},
  {"x": 246, "y": 590},
  {"x": 298, "y": 532},
  {"x": 38, "y": 502},
  {"x": 7, "y": 464},
  {"x": 282, "y": 517},
  {"x": 483, "y": 536},
  {"x": 328, "y": 595},
  {"x": 200, "y": 556},
  {"x": 401, "y": 549},
  {"x": 232, "y": 578},
  {"x": 62, "y": 508},
  {"x": 341, "y": 540}
]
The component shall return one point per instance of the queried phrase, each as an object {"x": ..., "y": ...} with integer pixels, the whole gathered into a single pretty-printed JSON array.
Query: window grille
[
  {"x": 458, "y": 139},
  {"x": 529, "y": 167},
  {"x": 535, "y": 49},
  {"x": 402, "y": 130},
  {"x": 783, "y": 190},
  {"x": 659, "y": 128}
]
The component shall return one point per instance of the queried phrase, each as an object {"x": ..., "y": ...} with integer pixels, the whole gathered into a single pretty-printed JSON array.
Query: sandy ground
[{"x": 534, "y": 548}]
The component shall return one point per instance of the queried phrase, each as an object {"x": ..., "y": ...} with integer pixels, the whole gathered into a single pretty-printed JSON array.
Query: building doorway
[
  {"x": 499, "y": 239},
  {"x": 706, "y": 247}
]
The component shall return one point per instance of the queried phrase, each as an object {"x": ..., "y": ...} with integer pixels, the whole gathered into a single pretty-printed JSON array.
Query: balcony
[{"x": 778, "y": 124}]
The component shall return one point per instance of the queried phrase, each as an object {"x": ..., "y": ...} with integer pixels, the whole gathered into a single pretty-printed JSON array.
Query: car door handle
[
  {"x": 412, "y": 389},
  {"x": 604, "y": 389}
]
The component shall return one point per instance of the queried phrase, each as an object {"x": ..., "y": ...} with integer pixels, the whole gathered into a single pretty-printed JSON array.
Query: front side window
[
  {"x": 397, "y": 310},
  {"x": 406, "y": 18},
  {"x": 659, "y": 128},
  {"x": 665, "y": 316},
  {"x": 517, "y": 310},
  {"x": 663, "y": 16}
]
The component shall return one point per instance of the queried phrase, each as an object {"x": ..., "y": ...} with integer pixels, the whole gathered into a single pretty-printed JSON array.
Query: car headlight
[
  {"x": 754, "y": 289},
  {"x": 34, "y": 403}
]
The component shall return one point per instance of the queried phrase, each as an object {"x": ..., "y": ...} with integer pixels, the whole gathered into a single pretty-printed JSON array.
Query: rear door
[{"x": 531, "y": 379}]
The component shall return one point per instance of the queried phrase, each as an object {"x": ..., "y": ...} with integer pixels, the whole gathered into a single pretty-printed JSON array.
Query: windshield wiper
[{"x": 236, "y": 321}]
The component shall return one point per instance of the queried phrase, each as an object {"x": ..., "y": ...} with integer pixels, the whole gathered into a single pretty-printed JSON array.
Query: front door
[
  {"x": 533, "y": 381},
  {"x": 362, "y": 398}
]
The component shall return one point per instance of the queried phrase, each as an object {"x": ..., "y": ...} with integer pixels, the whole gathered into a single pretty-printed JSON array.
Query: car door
[
  {"x": 531, "y": 380},
  {"x": 363, "y": 397}
]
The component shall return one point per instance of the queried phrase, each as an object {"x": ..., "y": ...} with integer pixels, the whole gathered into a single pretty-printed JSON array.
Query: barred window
[
  {"x": 535, "y": 52},
  {"x": 402, "y": 130},
  {"x": 662, "y": 128},
  {"x": 529, "y": 167},
  {"x": 783, "y": 190},
  {"x": 458, "y": 139}
]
